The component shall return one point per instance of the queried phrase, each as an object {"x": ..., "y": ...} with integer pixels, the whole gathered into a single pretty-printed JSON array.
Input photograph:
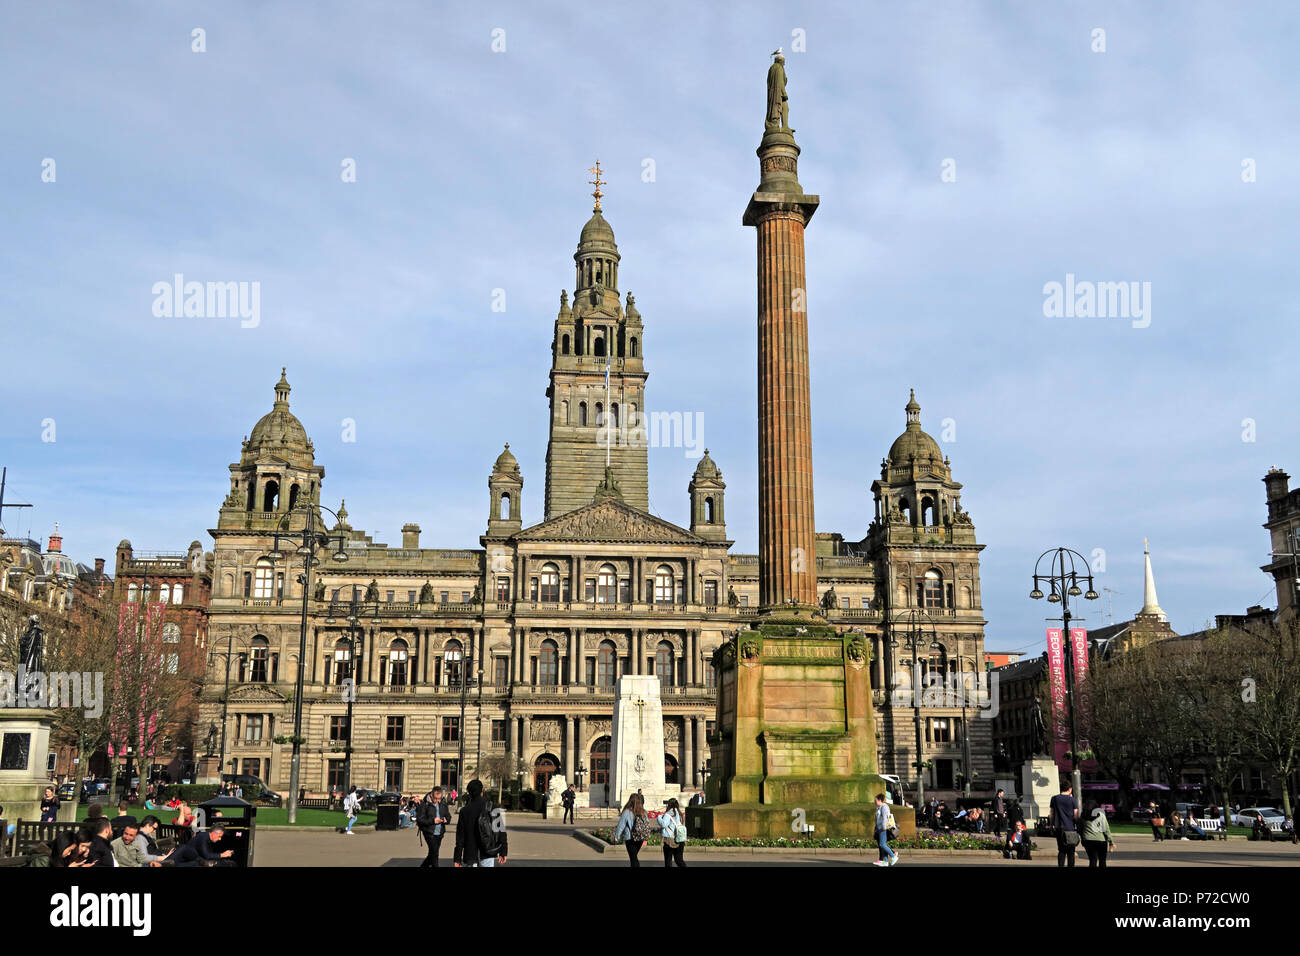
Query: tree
[
  {"x": 1269, "y": 665},
  {"x": 499, "y": 768}
]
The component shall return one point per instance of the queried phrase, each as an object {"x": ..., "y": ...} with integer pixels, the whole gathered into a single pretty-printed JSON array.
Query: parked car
[
  {"x": 246, "y": 782},
  {"x": 67, "y": 791},
  {"x": 1270, "y": 815},
  {"x": 368, "y": 797}
]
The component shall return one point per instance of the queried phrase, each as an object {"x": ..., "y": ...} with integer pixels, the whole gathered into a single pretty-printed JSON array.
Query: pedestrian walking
[
  {"x": 351, "y": 803},
  {"x": 1097, "y": 838},
  {"x": 1064, "y": 813},
  {"x": 999, "y": 812},
  {"x": 481, "y": 838},
  {"x": 569, "y": 797},
  {"x": 633, "y": 828},
  {"x": 432, "y": 819},
  {"x": 884, "y": 825},
  {"x": 1157, "y": 822},
  {"x": 672, "y": 829}
]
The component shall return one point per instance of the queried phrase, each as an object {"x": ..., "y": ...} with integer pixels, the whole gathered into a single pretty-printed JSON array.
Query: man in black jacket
[
  {"x": 201, "y": 850},
  {"x": 999, "y": 812},
  {"x": 480, "y": 831},
  {"x": 100, "y": 832},
  {"x": 568, "y": 798},
  {"x": 432, "y": 818}
]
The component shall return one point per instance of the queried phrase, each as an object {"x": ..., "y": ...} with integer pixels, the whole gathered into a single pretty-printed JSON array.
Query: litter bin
[
  {"x": 239, "y": 819},
  {"x": 386, "y": 816}
]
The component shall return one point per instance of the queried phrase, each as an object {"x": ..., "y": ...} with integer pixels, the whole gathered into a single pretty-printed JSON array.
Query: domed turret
[
  {"x": 506, "y": 463},
  {"x": 707, "y": 490},
  {"x": 505, "y": 491},
  {"x": 914, "y": 443},
  {"x": 278, "y": 431}
]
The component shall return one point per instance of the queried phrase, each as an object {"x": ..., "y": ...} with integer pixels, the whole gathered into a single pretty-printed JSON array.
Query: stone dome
[
  {"x": 707, "y": 468},
  {"x": 914, "y": 442},
  {"x": 596, "y": 230},
  {"x": 506, "y": 463},
  {"x": 279, "y": 426}
]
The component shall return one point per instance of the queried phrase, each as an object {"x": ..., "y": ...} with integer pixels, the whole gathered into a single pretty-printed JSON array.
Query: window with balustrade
[
  {"x": 664, "y": 585},
  {"x": 549, "y": 583},
  {"x": 606, "y": 665},
  {"x": 548, "y": 664},
  {"x": 398, "y": 663},
  {"x": 607, "y": 585},
  {"x": 263, "y": 580},
  {"x": 259, "y": 660},
  {"x": 453, "y": 663},
  {"x": 664, "y": 664}
]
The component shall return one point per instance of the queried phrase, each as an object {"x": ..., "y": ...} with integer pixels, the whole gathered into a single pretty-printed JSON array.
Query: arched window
[
  {"x": 564, "y": 411},
  {"x": 131, "y": 590},
  {"x": 708, "y": 511},
  {"x": 453, "y": 663},
  {"x": 544, "y": 767},
  {"x": 178, "y": 593},
  {"x": 259, "y": 659},
  {"x": 606, "y": 665},
  {"x": 664, "y": 663},
  {"x": 293, "y": 497},
  {"x": 342, "y": 660},
  {"x": 932, "y": 590},
  {"x": 271, "y": 497},
  {"x": 599, "y": 763},
  {"x": 398, "y": 658},
  {"x": 504, "y": 510},
  {"x": 600, "y": 414},
  {"x": 550, "y": 583},
  {"x": 663, "y": 584},
  {"x": 164, "y": 593},
  {"x": 927, "y": 511},
  {"x": 582, "y": 413},
  {"x": 263, "y": 580},
  {"x": 613, "y": 415},
  {"x": 631, "y": 347},
  {"x": 548, "y": 664},
  {"x": 607, "y": 585},
  {"x": 564, "y": 344},
  {"x": 598, "y": 347},
  {"x": 171, "y": 633},
  {"x": 905, "y": 508}
]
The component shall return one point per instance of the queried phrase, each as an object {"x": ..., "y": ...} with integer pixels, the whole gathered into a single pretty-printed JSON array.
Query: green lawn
[{"x": 266, "y": 816}]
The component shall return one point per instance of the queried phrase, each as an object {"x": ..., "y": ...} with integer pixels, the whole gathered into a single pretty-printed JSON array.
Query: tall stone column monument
[
  {"x": 637, "y": 747},
  {"x": 795, "y": 746}
]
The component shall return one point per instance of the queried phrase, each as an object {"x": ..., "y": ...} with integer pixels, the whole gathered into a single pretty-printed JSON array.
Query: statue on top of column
[{"x": 778, "y": 104}]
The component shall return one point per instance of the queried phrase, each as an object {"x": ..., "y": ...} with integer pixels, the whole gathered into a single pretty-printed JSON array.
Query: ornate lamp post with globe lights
[
  {"x": 308, "y": 541},
  {"x": 914, "y": 624},
  {"x": 1063, "y": 577}
]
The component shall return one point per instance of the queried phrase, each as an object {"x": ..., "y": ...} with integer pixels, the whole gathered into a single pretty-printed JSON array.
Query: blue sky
[{"x": 225, "y": 166}]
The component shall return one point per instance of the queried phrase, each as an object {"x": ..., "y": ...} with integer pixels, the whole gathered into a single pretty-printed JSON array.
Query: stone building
[
  {"x": 513, "y": 648},
  {"x": 178, "y": 586},
  {"x": 1283, "y": 526}
]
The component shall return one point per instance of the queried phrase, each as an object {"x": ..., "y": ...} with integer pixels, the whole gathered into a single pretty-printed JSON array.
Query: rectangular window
[
  {"x": 449, "y": 774},
  {"x": 866, "y": 603},
  {"x": 450, "y": 729},
  {"x": 464, "y": 597},
  {"x": 711, "y": 593},
  {"x": 844, "y": 603},
  {"x": 334, "y": 774},
  {"x": 279, "y": 585},
  {"x": 564, "y": 590},
  {"x": 744, "y": 600},
  {"x": 395, "y": 730},
  {"x": 498, "y": 731},
  {"x": 178, "y": 591},
  {"x": 710, "y": 676},
  {"x": 263, "y": 581},
  {"x": 589, "y": 590},
  {"x": 339, "y": 728},
  {"x": 501, "y": 671},
  {"x": 410, "y": 597},
  {"x": 940, "y": 730},
  {"x": 624, "y": 591},
  {"x": 253, "y": 727},
  {"x": 393, "y": 776},
  {"x": 389, "y": 597},
  {"x": 252, "y": 766},
  {"x": 532, "y": 589},
  {"x": 442, "y": 597},
  {"x": 709, "y": 727},
  {"x": 503, "y": 589},
  {"x": 248, "y": 585}
]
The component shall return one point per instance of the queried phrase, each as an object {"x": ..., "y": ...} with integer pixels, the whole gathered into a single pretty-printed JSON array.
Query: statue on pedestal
[
  {"x": 31, "y": 646},
  {"x": 778, "y": 104}
]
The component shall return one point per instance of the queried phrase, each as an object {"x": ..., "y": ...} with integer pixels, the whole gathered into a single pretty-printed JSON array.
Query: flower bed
[{"x": 925, "y": 840}]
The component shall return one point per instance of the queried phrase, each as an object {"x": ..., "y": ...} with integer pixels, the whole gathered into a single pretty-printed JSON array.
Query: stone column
[
  {"x": 686, "y": 774},
  {"x": 525, "y": 735},
  {"x": 780, "y": 211},
  {"x": 569, "y": 758},
  {"x": 700, "y": 744}
]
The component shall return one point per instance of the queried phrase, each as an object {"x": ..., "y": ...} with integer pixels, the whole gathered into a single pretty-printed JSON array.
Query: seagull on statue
[{"x": 776, "y": 52}]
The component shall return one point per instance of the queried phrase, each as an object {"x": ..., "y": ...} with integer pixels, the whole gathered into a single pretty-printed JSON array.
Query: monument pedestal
[
  {"x": 209, "y": 770},
  {"x": 796, "y": 740},
  {"x": 24, "y": 747},
  {"x": 637, "y": 744},
  {"x": 1040, "y": 781}
]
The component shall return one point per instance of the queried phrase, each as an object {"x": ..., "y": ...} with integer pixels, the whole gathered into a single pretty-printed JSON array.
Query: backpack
[
  {"x": 641, "y": 828},
  {"x": 425, "y": 815},
  {"x": 489, "y": 840}
]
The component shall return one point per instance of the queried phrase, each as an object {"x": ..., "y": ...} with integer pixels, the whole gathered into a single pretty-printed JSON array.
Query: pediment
[
  {"x": 255, "y": 693},
  {"x": 609, "y": 520}
]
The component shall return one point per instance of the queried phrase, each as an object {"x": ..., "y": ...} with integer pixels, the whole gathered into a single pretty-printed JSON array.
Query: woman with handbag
[
  {"x": 1157, "y": 822},
  {"x": 633, "y": 828},
  {"x": 673, "y": 830}
]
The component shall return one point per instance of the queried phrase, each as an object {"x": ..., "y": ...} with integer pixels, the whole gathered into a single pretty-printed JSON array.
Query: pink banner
[
  {"x": 1060, "y": 718},
  {"x": 1083, "y": 699}
]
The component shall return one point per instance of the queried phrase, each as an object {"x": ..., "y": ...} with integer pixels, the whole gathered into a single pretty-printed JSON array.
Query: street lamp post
[
  {"x": 1063, "y": 576},
  {"x": 350, "y": 690},
  {"x": 310, "y": 540},
  {"x": 465, "y": 679},
  {"x": 917, "y": 621}
]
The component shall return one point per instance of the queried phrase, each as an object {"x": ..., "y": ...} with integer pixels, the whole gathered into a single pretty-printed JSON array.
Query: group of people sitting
[
  {"x": 124, "y": 840},
  {"x": 938, "y": 816}
]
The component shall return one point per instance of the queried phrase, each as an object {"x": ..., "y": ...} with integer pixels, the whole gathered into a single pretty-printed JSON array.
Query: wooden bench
[{"x": 1212, "y": 827}]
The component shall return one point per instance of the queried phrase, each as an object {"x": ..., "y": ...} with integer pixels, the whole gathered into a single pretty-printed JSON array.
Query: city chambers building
[{"x": 513, "y": 648}]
